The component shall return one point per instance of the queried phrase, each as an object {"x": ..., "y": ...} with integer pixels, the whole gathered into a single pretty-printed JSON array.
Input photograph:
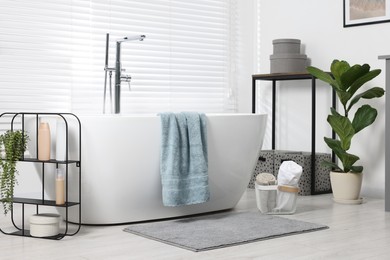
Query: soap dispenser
[{"x": 60, "y": 189}]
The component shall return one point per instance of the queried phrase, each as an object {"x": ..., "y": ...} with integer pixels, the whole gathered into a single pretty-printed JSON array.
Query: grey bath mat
[{"x": 220, "y": 230}]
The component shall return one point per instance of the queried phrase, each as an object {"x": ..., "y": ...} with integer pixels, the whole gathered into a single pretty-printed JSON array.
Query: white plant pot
[{"x": 346, "y": 187}]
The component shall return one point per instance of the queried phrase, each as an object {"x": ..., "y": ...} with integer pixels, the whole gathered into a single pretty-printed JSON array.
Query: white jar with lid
[{"x": 44, "y": 225}]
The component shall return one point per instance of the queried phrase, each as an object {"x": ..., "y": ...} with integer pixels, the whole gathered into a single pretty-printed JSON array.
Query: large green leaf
[
  {"x": 334, "y": 111},
  {"x": 335, "y": 145},
  {"x": 343, "y": 128},
  {"x": 364, "y": 117},
  {"x": 363, "y": 79},
  {"x": 331, "y": 165},
  {"x": 352, "y": 74},
  {"x": 375, "y": 92},
  {"x": 348, "y": 161},
  {"x": 337, "y": 68},
  {"x": 344, "y": 97},
  {"x": 320, "y": 74},
  {"x": 356, "y": 169}
]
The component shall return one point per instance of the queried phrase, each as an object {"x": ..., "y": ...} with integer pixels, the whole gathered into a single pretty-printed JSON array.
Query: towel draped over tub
[{"x": 183, "y": 159}]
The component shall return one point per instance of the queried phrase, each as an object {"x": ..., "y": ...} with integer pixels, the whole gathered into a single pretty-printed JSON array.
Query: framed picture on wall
[{"x": 364, "y": 12}]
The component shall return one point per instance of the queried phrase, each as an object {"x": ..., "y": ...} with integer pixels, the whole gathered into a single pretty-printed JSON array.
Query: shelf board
[
  {"x": 42, "y": 202},
  {"x": 27, "y": 234},
  {"x": 49, "y": 161},
  {"x": 282, "y": 76}
]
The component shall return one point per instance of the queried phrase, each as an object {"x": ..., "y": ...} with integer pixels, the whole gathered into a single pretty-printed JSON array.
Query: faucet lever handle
[{"x": 126, "y": 78}]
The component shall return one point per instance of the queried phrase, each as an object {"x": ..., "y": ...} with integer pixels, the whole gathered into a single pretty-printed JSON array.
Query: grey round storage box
[
  {"x": 44, "y": 225},
  {"x": 287, "y": 46},
  {"x": 288, "y": 63}
]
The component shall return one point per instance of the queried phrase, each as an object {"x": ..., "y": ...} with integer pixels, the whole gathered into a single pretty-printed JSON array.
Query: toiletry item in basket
[
  {"x": 289, "y": 173},
  {"x": 286, "y": 202},
  {"x": 288, "y": 179},
  {"x": 265, "y": 192},
  {"x": 265, "y": 179}
]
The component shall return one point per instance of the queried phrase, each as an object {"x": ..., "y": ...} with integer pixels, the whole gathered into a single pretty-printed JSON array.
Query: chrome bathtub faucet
[{"x": 119, "y": 78}]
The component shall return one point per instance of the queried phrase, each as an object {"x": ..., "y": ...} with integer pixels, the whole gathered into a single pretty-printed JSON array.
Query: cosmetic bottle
[
  {"x": 60, "y": 189},
  {"x": 44, "y": 141}
]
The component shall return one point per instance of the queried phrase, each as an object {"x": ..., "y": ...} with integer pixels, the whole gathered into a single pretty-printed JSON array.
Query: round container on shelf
[
  {"x": 292, "y": 46},
  {"x": 288, "y": 63},
  {"x": 44, "y": 225}
]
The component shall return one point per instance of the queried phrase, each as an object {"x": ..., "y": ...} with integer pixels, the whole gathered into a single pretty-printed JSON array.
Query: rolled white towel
[{"x": 289, "y": 173}]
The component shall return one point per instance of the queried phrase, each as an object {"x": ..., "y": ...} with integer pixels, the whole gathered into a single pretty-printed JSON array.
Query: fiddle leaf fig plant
[
  {"x": 346, "y": 80},
  {"x": 14, "y": 144}
]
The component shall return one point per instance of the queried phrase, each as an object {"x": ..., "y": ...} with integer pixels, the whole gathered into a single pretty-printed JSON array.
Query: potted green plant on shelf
[
  {"x": 14, "y": 144},
  {"x": 346, "y": 80}
]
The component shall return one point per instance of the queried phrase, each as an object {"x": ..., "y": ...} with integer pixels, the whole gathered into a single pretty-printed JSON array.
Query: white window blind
[
  {"x": 52, "y": 54},
  {"x": 35, "y": 64}
]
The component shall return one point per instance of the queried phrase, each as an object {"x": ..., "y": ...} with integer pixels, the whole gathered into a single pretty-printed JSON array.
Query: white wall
[
  {"x": 319, "y": 25},
  {"x": 246, "y": 49}
]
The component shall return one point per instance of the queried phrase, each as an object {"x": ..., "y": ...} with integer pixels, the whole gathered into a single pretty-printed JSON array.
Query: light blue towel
[{"x": 183, "y": 159}]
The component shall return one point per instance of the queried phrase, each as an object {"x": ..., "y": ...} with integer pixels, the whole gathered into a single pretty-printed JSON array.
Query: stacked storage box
[{"x": 287, "y": 57}]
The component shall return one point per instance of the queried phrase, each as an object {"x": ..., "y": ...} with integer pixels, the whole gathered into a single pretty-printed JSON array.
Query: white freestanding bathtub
[{"x": 120, "y": 166}]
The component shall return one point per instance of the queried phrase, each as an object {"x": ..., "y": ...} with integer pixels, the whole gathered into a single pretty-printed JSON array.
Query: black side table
[{"x": 294, "y": 76}]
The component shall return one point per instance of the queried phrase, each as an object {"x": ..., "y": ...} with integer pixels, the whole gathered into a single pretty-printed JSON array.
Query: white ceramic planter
[{"x": 346, "y": 187}]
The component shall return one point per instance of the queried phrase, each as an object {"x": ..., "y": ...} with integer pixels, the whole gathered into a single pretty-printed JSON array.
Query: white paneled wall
[{"x": 319, "y": 25}]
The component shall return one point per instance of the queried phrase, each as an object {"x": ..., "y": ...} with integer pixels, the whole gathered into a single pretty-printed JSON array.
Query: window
[{"x": 52, "y": 54}]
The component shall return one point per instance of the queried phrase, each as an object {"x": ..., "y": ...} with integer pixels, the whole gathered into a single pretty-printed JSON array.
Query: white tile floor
[{"x": 356, "y": 232}]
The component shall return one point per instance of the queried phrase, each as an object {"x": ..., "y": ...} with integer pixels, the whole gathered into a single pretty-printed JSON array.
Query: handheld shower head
[{"x": 132, "y": 38}]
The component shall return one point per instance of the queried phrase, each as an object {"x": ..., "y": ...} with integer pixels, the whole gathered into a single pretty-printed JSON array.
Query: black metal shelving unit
[
  {"x": 20, "y": 229},
  {"x": 275, "y": 77}
]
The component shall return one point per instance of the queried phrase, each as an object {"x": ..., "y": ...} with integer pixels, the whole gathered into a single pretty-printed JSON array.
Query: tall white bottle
[
  {"x": 44, "y": 142},
  {"x": 61, "y": 140}
]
